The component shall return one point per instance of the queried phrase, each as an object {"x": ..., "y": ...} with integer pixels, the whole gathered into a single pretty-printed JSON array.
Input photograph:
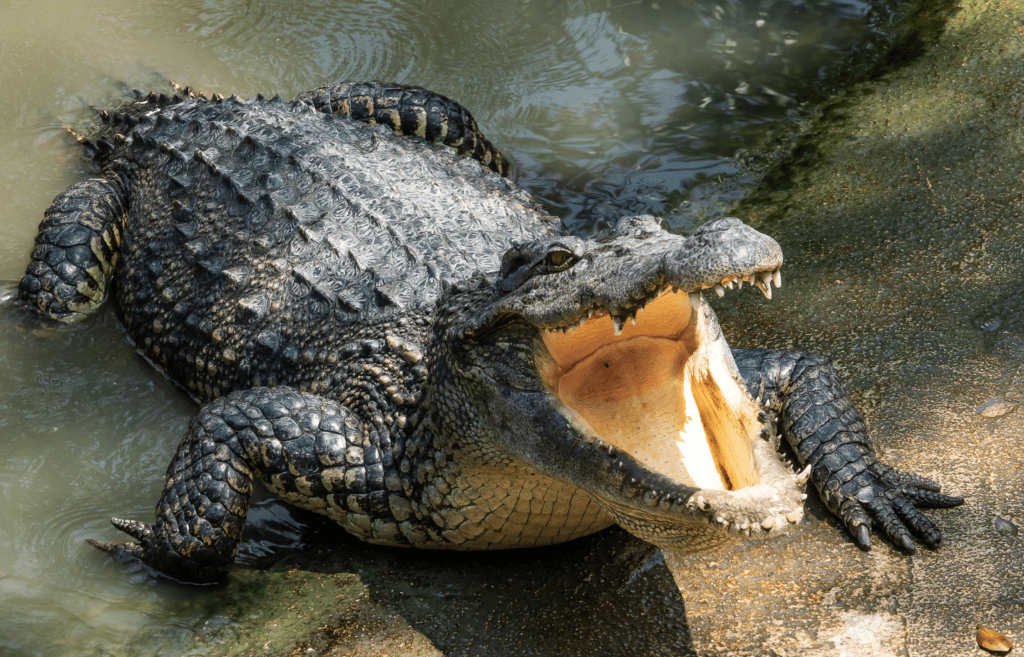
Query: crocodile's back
[{"x": 252, "y": 225}]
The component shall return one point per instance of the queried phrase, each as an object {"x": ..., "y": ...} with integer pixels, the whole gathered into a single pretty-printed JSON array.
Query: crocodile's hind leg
[
  {"x": 312, "y": 452},
  {"x": 76, "y": 249},
  {"x": 410, "y": 111}
]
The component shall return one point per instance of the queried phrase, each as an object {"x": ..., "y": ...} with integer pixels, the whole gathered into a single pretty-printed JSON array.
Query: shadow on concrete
[{"x": 607, "y": 594}]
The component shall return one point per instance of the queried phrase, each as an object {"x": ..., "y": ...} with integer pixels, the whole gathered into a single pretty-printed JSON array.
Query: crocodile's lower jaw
[{"x": 662, "y": 391}]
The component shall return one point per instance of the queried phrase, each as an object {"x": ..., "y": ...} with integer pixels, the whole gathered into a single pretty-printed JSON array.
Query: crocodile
[{"x": 381, "y": 327}]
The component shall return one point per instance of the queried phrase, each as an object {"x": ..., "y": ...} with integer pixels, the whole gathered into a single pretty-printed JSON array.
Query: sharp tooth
[
  {"x": 777, "y": 278},
  {"x": 804, "y": 475},
  {"x": 632, "y": 318},
  {"x": 619, "y": 323},
  {"x": 590, "y": 313},
  {"x": 582, "y": 320},
  {"x": 695, "y": 301},
  {"x": 719, "y": 290},
  {"x": 729, "y": 284},
  {"x": 739, "y": 283},
  {"x": 765, "y": 285}
]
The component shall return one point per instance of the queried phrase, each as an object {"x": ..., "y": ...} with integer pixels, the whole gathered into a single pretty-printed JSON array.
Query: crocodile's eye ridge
[{"x": 513, "y": 261}]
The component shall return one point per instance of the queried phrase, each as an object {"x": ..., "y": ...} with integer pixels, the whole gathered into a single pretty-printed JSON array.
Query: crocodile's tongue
[{"x": 658, "y": 393}]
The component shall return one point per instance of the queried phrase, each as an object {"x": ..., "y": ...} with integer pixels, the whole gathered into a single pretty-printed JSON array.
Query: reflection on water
[{"x": 608, "y": 108}]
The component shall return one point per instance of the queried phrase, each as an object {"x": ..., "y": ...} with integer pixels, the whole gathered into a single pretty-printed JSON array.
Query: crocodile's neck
[{"x": 465, "y": 486}]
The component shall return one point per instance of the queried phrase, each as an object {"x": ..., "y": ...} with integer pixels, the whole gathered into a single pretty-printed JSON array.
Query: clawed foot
[
  {"x": 180, "y": 558},
  {"x": 887, "y": 499},
  {"x": 140, "y": 531}
]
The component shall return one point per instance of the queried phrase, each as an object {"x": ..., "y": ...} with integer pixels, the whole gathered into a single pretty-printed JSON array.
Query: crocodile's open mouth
[{"x": 664, "y": 388}]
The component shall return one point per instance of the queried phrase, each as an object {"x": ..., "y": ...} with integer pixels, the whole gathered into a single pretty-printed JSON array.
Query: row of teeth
[
  {"x": 768, "y": 523},
  {"x": 762, "y": 280}
]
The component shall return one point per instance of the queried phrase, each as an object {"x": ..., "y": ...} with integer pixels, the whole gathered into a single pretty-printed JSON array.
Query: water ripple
[{"x": 301, "y": 45}]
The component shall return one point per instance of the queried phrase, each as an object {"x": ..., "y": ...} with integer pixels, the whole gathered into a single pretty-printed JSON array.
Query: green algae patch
[
  {"x": 291, "y": 603},
  {"x": 265, "y": 612},
  {"x": 313, "y": 603}
]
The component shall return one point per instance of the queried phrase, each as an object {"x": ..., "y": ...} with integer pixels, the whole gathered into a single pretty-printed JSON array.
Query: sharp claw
[
  {"x": 945, "y": 501},
  {"x": 140, "y": 531},
  {"x": 102, "y": 545},
  {"x": 863, "y": 537},
  {"x": 118, "y": 550},
  {"x": 907, "y": 544}
]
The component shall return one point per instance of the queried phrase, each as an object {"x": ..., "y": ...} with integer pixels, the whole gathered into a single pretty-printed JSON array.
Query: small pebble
[
  {"x": 1004, "y": 526},
  {"x": 991, "y": 325},
  {"x": 997, "y": 407}
]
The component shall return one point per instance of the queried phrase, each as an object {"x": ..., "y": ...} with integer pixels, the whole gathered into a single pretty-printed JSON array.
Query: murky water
[{"x": 608, "y": 108}]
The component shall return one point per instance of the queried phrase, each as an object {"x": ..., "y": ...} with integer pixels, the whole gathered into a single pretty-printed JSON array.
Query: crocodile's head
[{"x": 598, "y": 362}]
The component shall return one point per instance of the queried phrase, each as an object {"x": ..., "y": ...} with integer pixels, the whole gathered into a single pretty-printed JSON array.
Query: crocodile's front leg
[
  {"x": 827, "y": 433},
  {"x": 77, "y": 247},
  {"x": 312, "y": 452}
]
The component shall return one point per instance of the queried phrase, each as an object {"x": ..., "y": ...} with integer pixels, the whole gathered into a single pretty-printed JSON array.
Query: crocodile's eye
[
  {"x": 525, "y": 261},
  {"x": 560, "y": 260}
]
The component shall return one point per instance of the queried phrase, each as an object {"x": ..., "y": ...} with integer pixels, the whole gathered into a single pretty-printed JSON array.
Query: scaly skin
[{"x": 393, "y": 337}]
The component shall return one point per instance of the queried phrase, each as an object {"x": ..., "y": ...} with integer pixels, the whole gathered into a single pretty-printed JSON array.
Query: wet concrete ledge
[{"x": 901, "y": 217}]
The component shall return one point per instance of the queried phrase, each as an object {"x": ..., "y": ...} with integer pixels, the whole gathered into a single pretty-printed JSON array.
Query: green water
[{"x": 607, "y": 107}]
